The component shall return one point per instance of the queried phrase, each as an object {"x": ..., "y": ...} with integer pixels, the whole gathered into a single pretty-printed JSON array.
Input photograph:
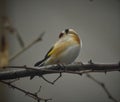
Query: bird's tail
[{"x": 39, "y": 63}]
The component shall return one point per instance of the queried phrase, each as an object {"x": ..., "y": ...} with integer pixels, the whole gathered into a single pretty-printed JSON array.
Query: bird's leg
[
  {"x": 61, "y": 66},
  {"x": 81, "y": 63}
]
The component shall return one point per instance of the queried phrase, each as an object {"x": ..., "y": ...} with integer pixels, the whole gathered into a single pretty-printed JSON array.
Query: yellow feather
[{"x": 58, "y": 49}]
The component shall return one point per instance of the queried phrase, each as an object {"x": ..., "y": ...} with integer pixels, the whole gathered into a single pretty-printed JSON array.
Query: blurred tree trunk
[{"x": 3, "y": 97}]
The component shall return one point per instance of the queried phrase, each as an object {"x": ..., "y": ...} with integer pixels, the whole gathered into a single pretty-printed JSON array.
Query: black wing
[{"x": 41, "y": 63}]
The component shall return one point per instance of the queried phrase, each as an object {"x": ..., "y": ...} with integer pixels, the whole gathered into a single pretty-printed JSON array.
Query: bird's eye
[
  {"x": 66, "y": 31},
  {"x": 61, "y": 35}
]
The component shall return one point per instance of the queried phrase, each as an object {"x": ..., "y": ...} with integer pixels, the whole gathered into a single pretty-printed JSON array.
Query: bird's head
[{"x": 69, "y": 33}]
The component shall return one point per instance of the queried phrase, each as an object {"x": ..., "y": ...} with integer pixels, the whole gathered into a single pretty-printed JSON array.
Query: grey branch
[
  {"x": 27, "y": 47},
  {"x": 103, "y": 87},
  {"x": 25, "y": 71},
  {"x": 30, "y": 94}
]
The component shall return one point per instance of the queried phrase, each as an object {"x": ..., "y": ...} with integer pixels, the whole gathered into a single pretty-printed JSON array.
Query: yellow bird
[{"x": 64, "y": 51}]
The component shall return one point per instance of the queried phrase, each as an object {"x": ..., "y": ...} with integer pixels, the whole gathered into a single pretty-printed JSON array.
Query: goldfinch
[{"x": 64, "y": 51}]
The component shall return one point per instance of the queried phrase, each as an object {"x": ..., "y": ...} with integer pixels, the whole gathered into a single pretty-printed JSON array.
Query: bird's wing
[
  {"x": 49, "y": 53},
  {"x": 46, "y": 57},
  {"x": 55, "y": 50}
]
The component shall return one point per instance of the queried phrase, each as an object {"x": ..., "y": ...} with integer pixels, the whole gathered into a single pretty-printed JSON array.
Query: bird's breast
[{"x": 70, "y": 54}]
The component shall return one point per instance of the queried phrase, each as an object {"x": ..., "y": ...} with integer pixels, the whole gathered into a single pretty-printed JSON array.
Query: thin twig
[
  {"x": 27, "y": 47},
  {"x": 38, "y": 90},
  {"x": 103, "y": 86},
  {"x": 19, "y": 38},
  {"x": 47, "y": 80},
  {"x": 32, "y": 95},
  {"x": 52, "y": 82},
  {"x": 58, "y": 78}
]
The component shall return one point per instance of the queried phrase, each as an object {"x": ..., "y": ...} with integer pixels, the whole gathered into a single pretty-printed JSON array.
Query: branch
[
  {"x": 103, "y": 86},
  {"x": 53, "y": 82},
  {"x": 25, "y": 71},
  {"x": 30, "y": 94},
  {"x": 27, "y": 47}
]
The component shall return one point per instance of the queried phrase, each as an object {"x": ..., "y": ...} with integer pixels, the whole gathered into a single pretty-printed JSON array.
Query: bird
[{"x": 64, "y": 51}]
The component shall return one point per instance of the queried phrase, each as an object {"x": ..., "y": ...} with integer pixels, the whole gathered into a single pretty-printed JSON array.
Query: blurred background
[{"x": 98, "y": 25}]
